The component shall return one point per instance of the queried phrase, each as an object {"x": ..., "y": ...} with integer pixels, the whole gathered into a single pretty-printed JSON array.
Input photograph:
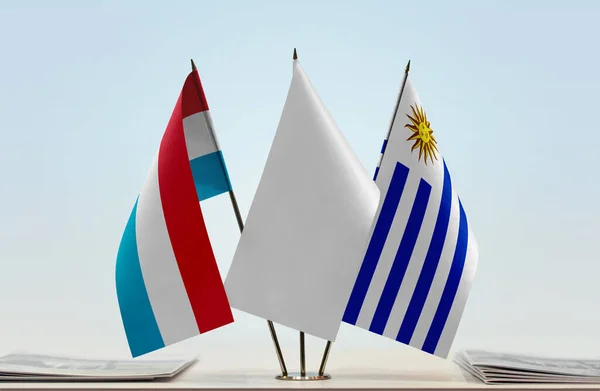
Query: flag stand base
[
  {"x": 303, "y": 375},
  {"x": 298, "y": 376}
]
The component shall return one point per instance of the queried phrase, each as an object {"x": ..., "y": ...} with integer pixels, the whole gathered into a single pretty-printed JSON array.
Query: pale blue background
[{"x": 511, "y": 88}]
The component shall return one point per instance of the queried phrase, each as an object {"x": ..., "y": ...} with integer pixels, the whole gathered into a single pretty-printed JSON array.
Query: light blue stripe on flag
[
  {"x": 210, "y": 175},
  {"x": 432, "y": 259},
  {"x": 138, "y": 318}
]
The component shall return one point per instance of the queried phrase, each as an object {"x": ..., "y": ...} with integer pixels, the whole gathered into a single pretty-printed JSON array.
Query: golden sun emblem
[{"x": 422, "y": 135}]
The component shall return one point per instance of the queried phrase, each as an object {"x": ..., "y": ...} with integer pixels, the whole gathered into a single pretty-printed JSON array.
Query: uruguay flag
[
  {"x": 168, "y": 284},
  {"x": 421, "y": 256}
]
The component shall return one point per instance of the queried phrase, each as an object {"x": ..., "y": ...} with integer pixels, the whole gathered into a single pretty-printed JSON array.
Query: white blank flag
[{"x": 309, "y": 222}]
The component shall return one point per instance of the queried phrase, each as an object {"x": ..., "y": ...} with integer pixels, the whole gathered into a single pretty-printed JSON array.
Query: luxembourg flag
[
  {"x": 168, "y": 284},
  {"x": 421, "y": 258}
]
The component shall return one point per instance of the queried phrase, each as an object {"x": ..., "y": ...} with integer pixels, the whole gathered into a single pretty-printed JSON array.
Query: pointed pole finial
[
  {"x": 407, "y": 67},
  {"x": 193, "y": 65},
  {"x": 295, "y": 54}
]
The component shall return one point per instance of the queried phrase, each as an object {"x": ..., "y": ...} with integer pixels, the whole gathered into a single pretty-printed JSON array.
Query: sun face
[{"x": 422, "y": 135}]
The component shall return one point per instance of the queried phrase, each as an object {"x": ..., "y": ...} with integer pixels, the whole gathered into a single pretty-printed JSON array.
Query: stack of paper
[
  {"x": 497, "y": 368},
  {"x": 32, "y": 367}
]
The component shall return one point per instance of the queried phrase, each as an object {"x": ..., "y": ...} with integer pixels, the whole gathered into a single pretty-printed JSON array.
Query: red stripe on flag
[
  {"x": 194, "y": 100},
  {"x": 187, "y": 230}
]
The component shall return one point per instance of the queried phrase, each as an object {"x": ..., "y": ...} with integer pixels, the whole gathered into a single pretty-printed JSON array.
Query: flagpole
[
  {"x": 387, "y": 137},
  {"x": 398, "y": 100},
  {"x": 240, "y": 222},
  {"x": 324, "y": 359},
  {"x": 302, "y": 356},
  {"x": 302, "y": 347}
]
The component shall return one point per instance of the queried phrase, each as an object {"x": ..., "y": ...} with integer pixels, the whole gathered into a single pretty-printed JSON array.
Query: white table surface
[{"x": 359, "y": 369}]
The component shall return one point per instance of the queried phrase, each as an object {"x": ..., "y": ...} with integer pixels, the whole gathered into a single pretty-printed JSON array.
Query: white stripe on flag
[
  {"x": 440, "y": 278},
  {"x": 198, "y": 137},
  {"x": 162, "y": 278},
  {"x": 409, "y": 282},
  {"x": 468, "y": 274}
]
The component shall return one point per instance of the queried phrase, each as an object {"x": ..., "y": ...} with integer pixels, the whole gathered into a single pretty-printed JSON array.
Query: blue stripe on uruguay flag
[
  {"x": 380, "y": 158},
  {"x": 380, "y": 233},
  {"x": 383, "y": 146},
  {"x": 402, "y": 260},
  {"x": 432, "y": 260},
  {"x": 451, "y": 287}
]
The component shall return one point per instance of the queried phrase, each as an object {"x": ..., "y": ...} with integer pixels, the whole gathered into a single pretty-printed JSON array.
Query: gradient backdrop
[{"x": 511, "y": 89}]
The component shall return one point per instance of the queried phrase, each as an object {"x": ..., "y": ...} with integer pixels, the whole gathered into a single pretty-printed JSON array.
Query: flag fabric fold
[
  {"x": 168, "y": 284},
  {"x": 308, "y": 224},
  {"x": 421, "y": 257}
]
